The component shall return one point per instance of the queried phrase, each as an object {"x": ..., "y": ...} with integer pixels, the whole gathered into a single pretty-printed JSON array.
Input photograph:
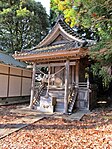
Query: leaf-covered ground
[{"x": 94, "y": 131}]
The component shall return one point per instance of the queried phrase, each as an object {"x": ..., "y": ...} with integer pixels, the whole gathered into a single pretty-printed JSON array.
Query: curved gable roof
[
  {"x": 62, "y": 42},
  {"x": 60, "y": 28}
]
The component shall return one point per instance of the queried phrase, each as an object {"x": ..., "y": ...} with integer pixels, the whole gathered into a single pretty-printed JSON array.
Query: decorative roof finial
[{"x": 60, "y": 17}]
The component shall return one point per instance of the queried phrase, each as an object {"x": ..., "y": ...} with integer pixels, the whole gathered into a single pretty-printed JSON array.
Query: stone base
[
  {"x": 47, "y": 104},
  {"x": 14, "y": 100},
  {"x": 47, "y": 108}
]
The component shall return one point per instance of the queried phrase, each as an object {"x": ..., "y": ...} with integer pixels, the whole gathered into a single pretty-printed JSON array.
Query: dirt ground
[{"x": 94, "y": 131}]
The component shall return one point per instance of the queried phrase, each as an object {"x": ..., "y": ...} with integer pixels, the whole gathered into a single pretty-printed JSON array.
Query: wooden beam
[
  {"x": 51, "y": 65},
  {"x": 32, "y": 86},
  {"x": 48, "y": 55},
  {"x": 55, "y": 59},
  {"x": 54, "y": 64},
  {"x": 66, "y": 86},
  {"x": 52, "y": 60}
]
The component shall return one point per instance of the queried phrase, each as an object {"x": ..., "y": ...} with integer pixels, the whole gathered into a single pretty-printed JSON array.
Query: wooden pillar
[
  {"x": 77, "y": 74},
  {"x": 88, "y": 90},
  {"x": 32, "y": 86},
  {"x": 21, "y": 83},
  {"x": 47, "y": 93},
  {"x": 73, "y": 74},
  {"x": 66, "y": 86},
  {"x": 8, "y": 83}
]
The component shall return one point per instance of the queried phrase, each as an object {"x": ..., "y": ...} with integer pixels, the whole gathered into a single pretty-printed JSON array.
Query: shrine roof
[
  {"x": 61, "y": 38},
  {"x": 53, "y": 48},
  {"x": 61, "y": 27},
  {"x": 54, "y": 52}
]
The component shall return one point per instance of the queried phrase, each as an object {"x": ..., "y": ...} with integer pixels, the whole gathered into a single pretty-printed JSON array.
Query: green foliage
[
  {"x": 102, "y": 54},
  {"x": 102, "y": 72},
  {"x": 93, "y": 14},
  {"x": 97, "y": 16},
  {"x": 22, "y": 24},
  {"x": 65, "y": 7},
  {"x": 22, "y": 13}
]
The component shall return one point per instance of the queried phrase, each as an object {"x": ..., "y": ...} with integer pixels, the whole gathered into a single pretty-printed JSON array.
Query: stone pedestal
[{"x": 47, "y": 104}]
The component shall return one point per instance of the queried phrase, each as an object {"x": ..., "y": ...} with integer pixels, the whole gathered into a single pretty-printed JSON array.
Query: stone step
[
  {"x": 57, "y": 95},
  {"x": 59, "y": 105},
  {"x": 59, "y": 110}
]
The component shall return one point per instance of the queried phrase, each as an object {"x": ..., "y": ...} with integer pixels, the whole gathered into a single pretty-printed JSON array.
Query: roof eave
[{"x": 50, "y": 55}]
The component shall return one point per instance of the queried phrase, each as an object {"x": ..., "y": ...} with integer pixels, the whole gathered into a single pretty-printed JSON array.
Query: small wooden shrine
[{"x": 65, "y": 54}]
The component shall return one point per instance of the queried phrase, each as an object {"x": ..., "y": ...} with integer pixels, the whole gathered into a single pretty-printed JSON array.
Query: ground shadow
[{"x": 66, "y": 125}]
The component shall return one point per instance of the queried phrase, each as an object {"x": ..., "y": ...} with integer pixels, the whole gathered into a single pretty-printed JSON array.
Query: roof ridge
[
  {"x": 73, "y": 33},
  {"x": 68, "y": 31},
  {"x": 60, "y": 17}
]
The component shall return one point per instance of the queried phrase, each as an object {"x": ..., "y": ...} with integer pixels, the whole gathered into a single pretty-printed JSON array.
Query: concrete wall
[{"x": 14, "y": 81}]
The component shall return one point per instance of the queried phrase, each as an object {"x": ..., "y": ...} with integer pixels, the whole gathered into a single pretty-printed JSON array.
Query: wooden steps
[
  {"x": 59, "y": 94},
  {"x": 72, "y": 102}
]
